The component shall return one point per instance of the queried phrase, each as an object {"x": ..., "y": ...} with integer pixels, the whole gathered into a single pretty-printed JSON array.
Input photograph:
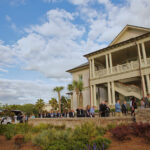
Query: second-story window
[{"x": 80, "y": 77}]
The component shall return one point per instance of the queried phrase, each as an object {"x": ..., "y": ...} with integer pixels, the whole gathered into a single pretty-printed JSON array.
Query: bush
[
  {"x": 79, "y": 138},
  {"x": 121, "y": 132},
  {"x": 110, "y": 127},
  {"x": 2, "y": 129},
  {"x": 85, "y": 133},
  {"x": 42, "y": 126},
  {"x": 124, "y": 132},
  {"x": 9, "y": 131},
  {"x": 22, "y": 128},
  {"x": 19, "y": 140},
  {"x": 100, "y": 130},
  {"x": 100, "y": 143},
  {"x": 42, "y": 139}
]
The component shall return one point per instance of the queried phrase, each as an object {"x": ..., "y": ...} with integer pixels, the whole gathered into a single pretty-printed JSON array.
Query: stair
[{"x": 128, "y": 90}]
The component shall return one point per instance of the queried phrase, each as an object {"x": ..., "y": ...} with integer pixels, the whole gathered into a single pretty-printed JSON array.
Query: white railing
[{"x": 122, "y": 68}]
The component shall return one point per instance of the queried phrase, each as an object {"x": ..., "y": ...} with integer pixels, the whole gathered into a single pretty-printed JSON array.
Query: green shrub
[
  {"x": 28, "y": 137},
  {"x": 100, "y": 143},
  {"x": 8, "y": 135},
  {"x": 9, "y": 131},
  {"x": 110, "y": 127},
  {"x": 22, "y": 128},
  {"x": 40, "y": 127},
  {"x": 2, "y": 129},
  {"x": 42, "y": 139},
  {"x": 100, "y": 130}
]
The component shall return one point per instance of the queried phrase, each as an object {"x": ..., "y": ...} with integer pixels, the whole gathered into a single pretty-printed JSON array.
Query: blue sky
[{"x": 41, "y": 39}]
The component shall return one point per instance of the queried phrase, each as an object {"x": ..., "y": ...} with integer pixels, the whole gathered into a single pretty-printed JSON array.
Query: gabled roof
[
  {"x": 118, "y": 44},
  {"x": 78, "y": 68},
  {"x": 126, "y": 28}
]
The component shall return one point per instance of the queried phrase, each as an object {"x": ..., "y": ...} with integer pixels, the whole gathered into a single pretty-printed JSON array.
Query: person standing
[
  {"x": 92, "y": 112},
  {"x": 148, "y": 97},
  {"x": 88, "y": 111},
  {"x": 118, "y": 108},
  {"x": 107, "y": 109},
  {"x": 142, "y": 104},
  {"x": 134, "y": 106},
  {"x": 102, "y": 109},
  {"x": 124, "y": 108}
]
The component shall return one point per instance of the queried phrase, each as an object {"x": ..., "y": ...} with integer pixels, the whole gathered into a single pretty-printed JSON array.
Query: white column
[
  {"x": 110, "y": 60},
  {"x": 93, "y": 70},
  {"x": 94, "y": 100},
  {"x": 143, "y": 85},
  {"x": 107, "y": 67},
  {"x": 148, "y": 83},
  {"x": 90, "y": 61},
  {"x": 113, "y": 93},
  {"x": 109, "y": 93},
  {"x": 91, "y": 95},
  {"x": 144, "y": 53},
  {"x": 139, "y": 54}
]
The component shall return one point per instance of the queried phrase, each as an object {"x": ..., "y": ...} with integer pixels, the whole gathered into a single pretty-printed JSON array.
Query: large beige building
[{"x": 122, "y": 69}]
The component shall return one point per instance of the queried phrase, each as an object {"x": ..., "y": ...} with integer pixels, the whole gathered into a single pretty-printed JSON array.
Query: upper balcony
[
  {"x": 133, "y": 65},
  {"x": 120, "y": 61}
]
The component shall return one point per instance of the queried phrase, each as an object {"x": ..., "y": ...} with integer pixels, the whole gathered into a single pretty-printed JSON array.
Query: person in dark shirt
[
  {"x": 88, "y": 111},
  {"x": 102, "y": 109},
  {"x": 107, "y": 109},
  {"x": 124, "y": 108},
  {"x": 82, "y": 112},
  {"x": 134, "y": 106},
  {"x": 78, "y": 112}
]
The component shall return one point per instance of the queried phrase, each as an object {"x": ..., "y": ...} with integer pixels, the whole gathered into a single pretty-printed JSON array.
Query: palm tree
[
  {"x": 70, "y": 89},
  {"x": 58, "y": 90},
  {"x": 39, "y": 105},
  {"x": 54, "y": 104},
  {"x": 78, "y": 86}
]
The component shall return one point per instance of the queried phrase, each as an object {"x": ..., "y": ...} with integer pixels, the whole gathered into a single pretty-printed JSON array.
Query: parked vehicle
[{"x": 8, "y": 120}]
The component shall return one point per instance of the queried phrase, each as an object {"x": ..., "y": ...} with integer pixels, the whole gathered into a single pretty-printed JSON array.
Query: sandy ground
[
  {"x": 134, "y": 144},
  {"x": 9, "y": 145}
]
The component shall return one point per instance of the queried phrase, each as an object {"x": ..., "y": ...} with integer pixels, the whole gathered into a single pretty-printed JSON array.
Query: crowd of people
[{"x": 104, "y": 109}]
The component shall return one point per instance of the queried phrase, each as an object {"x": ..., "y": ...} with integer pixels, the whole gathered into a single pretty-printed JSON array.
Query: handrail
[{"x": 121, "y": 68}]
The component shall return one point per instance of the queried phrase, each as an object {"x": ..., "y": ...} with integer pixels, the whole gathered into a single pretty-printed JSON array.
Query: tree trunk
[
  {"x": 59, "y": 102},
  {"x": 71, "y": 101},
  {"x": 81, "y": 100},
  {"x": 77, "y": 100}
]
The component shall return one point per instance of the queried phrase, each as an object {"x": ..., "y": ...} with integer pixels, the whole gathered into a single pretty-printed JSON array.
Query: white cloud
[
  {"x": 7, "y": 54},
  {"x": 3, "y": 70},
  {"x": 51, "y": 1},
  {"x": 79, "y": 2},
  {"x": 54, "y": 46},
  {"x": 13, "y": 26},
  {"x": 8, "y": 18},
  {"x": 17, "y": 2},
  {"x": 20, "y": 92},
  {"x": 104, "y": 24},
  {"x": 57, "y": 44}
]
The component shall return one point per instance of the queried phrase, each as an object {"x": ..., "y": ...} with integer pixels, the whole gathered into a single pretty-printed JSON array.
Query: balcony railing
[{"x": 133, "y": 65}]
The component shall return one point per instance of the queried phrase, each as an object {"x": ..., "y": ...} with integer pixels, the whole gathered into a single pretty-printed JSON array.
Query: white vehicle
[{"x": 6, "y": 120}]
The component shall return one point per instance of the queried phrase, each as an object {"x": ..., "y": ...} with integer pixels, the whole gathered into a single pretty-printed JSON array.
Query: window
[{"x": 80, "y": 77}]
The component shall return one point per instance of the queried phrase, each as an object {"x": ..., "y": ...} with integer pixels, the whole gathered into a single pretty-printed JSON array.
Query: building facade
[
  {"x": 122, "y": 69},
  {"x": 81, "y": 73}
]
